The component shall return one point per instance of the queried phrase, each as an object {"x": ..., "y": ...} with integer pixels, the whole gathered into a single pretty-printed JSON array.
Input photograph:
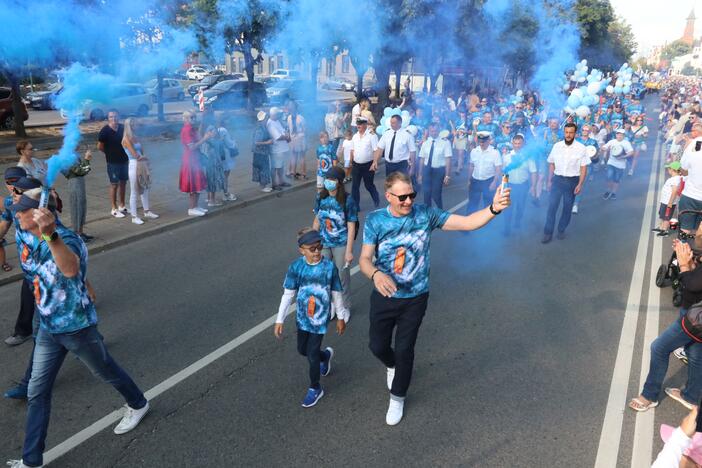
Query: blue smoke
[{"x": 97, "y": 46}]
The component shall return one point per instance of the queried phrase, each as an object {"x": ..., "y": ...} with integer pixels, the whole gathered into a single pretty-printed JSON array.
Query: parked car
[
  {"x": 282, "y": 90},
  {"x": 172, "y": 90},
  {"x": 196, "y": 73},
  {"x": 128, "y": 99},
  {"x": 7, "y": 117},
  {"x": 211, "y": 80},
  {"x": 177, "y": 74},
  {"x": 233, "y": 94},
  {"x": 284, "y": 73},
  {"x": 44, "y": 100},
  {"x": 340, "y": 84}
]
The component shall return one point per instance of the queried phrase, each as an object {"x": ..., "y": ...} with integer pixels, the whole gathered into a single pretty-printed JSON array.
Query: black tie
[
  {"x": 431, "y": 153},
  {"x": 392, "y": 146}
]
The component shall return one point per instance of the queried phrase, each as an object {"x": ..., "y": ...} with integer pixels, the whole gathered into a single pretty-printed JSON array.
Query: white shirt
[
  {"x": 404, "y": 145},
  {"x": 521, "y": 173},
  {"x": 276, "y": 130},
  {"x": 691, "y": 161},
  {"x": 355, "y": 113},
  {"x": 485, "y": 163},
  {"x": 364, "y": 146},
  {"x": 618, "y": 161},
  {"x": 568, "y": 159},
  {"x": 348, "y": 146},
  {"x": 442, "y": 150},
  {"x": 667, "y": 190}
]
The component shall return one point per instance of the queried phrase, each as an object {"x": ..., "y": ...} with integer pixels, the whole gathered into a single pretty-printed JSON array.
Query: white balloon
[
  {"x": 593, "y": 88},
  {"x": 582, "y": 111},
  {"x": 584, "y": 61},
  {"x": 568, "y": 110},
  {"x": 610, "y": 89},
  {"x": 577, "y": 93},
  {"x": 581, "y": 79},
  {"x": 520, "y": 92},
  {"x": 566, "y": 87}
]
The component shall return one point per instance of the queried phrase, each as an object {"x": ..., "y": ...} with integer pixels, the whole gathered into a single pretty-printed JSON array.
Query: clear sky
[{"x": 657, "y": 21}]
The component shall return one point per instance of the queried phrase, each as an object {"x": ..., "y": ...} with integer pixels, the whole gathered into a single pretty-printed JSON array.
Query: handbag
[{"x": 692, "y": 322}]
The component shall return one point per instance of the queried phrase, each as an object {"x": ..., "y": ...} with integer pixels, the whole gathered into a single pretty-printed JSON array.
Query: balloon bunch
[
  {"x": 623, "y": 83},
  {"x": 585, "y": 96},
  {"x": 388, "y": 113}
]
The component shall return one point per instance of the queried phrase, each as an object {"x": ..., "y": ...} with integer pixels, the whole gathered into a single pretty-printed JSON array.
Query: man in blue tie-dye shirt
[
  {"x": 395, "y": 256},
  {"x": 55, "y": 259}
]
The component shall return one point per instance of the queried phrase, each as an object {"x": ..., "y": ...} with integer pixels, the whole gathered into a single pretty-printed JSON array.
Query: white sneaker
[
  {"x": 229, "y": 197},
  {"x": 211, "y": 204},
  {"x": 123, "y": 209},
  {"x": 195, "y": 212},
  {"x": 131, "y": 419},
  {"x": 391, "y": 377},
  {"x": 575, "y": 209},
  {"x": 137, "y": 220},
  {"x": 18, "y": 464},
  {"x": 204, "y": 210},
  {"x": 395, "y": 410},
  {"x": 267, "y": 189},
  {"x": 117, "y": 214},
  {"x": 150, "y": 215}
]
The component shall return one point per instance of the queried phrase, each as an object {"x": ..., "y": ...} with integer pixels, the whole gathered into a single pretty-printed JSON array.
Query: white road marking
[
  {"x": 642, "y": 453},
  {"x": 102, "y": 424},
  {"x": 610, "y": 437}
]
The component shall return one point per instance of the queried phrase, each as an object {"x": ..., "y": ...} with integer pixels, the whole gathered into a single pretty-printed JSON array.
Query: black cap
[
  {"x": 27, "y": 183},
  {"x": 335, "y": 172},
  {"x": 15, "y": 172}
]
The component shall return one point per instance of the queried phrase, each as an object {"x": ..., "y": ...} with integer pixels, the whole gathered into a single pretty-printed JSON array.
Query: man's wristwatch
[
  {"x": 54, "y": 235},
  {"x": 493, "y": 211}
]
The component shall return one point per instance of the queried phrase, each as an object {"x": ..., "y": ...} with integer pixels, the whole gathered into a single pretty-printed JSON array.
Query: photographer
[{"x": 674, "y": 337}]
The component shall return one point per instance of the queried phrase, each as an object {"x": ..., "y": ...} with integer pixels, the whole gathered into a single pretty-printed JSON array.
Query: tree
[
  {"x": 622, "y": 40},
  {"x": 689, "y": 70},
  {"x": 675, "y": 49},
  {"x": 606, "y": 40}
]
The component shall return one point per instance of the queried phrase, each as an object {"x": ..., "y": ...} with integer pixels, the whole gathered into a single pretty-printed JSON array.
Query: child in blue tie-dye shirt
[
  {"x": 326, "y": 157},
  {"x": 315, "y": 281}
]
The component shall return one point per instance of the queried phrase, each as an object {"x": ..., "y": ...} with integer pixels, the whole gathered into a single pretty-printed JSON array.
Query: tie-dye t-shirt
[
  {"x": 402, "y": 245},
  {"x": 326, "y": 157},
  {"x": 6, "y": 214},
  {"x": 314, "y": 285},
  {"x": 333, "y": 223},
  {"x": 63, "y": 303}
]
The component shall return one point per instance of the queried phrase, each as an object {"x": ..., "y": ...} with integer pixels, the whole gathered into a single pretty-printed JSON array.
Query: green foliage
[
  {"x": 689, "y": 70},
  {"x": 675, "y": 49}
]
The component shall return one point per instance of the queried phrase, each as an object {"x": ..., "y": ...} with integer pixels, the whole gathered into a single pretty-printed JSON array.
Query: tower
[{"x": 689, "y": 34}]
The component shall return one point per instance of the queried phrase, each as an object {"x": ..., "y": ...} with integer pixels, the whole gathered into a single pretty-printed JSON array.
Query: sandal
[
  {"x": 637, "y": 405},
  {"x": 676, "y": 395},
  {"x": 6, "y": 267}
]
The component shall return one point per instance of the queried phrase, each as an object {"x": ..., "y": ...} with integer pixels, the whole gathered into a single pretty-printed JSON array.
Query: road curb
[{"x": 177, "y": 223}]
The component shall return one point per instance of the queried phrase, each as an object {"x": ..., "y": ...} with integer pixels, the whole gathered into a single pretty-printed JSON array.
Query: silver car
[{"x": 172, "y": 90}]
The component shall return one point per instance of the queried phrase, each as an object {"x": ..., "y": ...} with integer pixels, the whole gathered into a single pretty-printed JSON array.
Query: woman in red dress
[{"x": 192, "y": 177}]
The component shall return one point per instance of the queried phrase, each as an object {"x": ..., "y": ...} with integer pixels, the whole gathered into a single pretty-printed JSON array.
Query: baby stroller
[{"x": 668, "y": 274}]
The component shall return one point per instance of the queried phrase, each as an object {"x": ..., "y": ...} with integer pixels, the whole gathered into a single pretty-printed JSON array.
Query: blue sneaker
[
  {"x": 312, "y": 397},
  {"x": 325, "y": 366},
  {"x": 17, "y": 393}
]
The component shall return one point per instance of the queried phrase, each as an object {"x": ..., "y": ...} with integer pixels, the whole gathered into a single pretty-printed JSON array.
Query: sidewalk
[{"x": 166, "y": 199}]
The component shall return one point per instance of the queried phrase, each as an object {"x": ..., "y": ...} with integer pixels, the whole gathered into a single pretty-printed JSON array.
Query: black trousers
[
  {"x": 433, "y": 185},
  {"x": 404, "y": 317},
  {"x": 561, "y": 187},
  {"x": 23, "y": 325},
  {"x": 479, "y": 189},
  {"x": 310, "y": 345},
  {"x": 400, "y": 166},
  {"x": 518, "y": 195},
  {"x": 362, "y": 172}
]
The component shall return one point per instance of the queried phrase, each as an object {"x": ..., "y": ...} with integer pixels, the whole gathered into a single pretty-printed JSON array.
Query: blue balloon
[
  {"x": 626, "y": 89},
  {"x": 573, "y": 101},
  {"x": 387, "y": 112},
  {"x": 380, "y": 130},
  {"x": 396, "y": 111},
  {"x": 384, "y": 121}
]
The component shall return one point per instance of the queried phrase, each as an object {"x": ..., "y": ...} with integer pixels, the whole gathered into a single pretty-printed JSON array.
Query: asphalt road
[
  {"x": 513, "y": 364},
  {"x": 53, "y": 117}
]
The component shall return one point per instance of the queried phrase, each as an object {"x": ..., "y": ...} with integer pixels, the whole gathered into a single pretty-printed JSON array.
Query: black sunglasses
[
  {"x": 16, "y": 191},
  {"x": 404, "y": 197},
  {"x": 314, "y": 247}
]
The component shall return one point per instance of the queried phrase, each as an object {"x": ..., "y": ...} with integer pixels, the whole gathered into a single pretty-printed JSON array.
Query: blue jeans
[
  {"x": 479, "y": 189},
  {"x": 561, "y": 187},
  {"x": 674, "y": 337},
  {"x": 49, "y": 353},
  {"x": 579, "y": 196}
]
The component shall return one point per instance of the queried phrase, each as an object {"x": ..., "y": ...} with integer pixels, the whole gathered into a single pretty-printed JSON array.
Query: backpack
[{"x": 692, "y": 322}]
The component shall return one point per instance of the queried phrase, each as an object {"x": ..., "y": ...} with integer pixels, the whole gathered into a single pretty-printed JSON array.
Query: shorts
[
  {"x": 689, "y": 221},
  {"x": 661, "y": 212},
  {"x": 3, "y": 242},
  {"x": 614, "y": 174},
  {"x": 347, "y": 163},
  {"x": 278, "y": 159},
  {"x": 117, "y": 173},
  {"x": 460, "y": 143},
  {"x": 320, "y": 181}
]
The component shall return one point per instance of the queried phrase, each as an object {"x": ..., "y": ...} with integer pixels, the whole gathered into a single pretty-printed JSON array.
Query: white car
[
  {"x": 284, "y": 74},
  {"x": 196, "y": 73},
  {"x": 172, "y": 89},
  {"x": 127, "y": 99}
]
